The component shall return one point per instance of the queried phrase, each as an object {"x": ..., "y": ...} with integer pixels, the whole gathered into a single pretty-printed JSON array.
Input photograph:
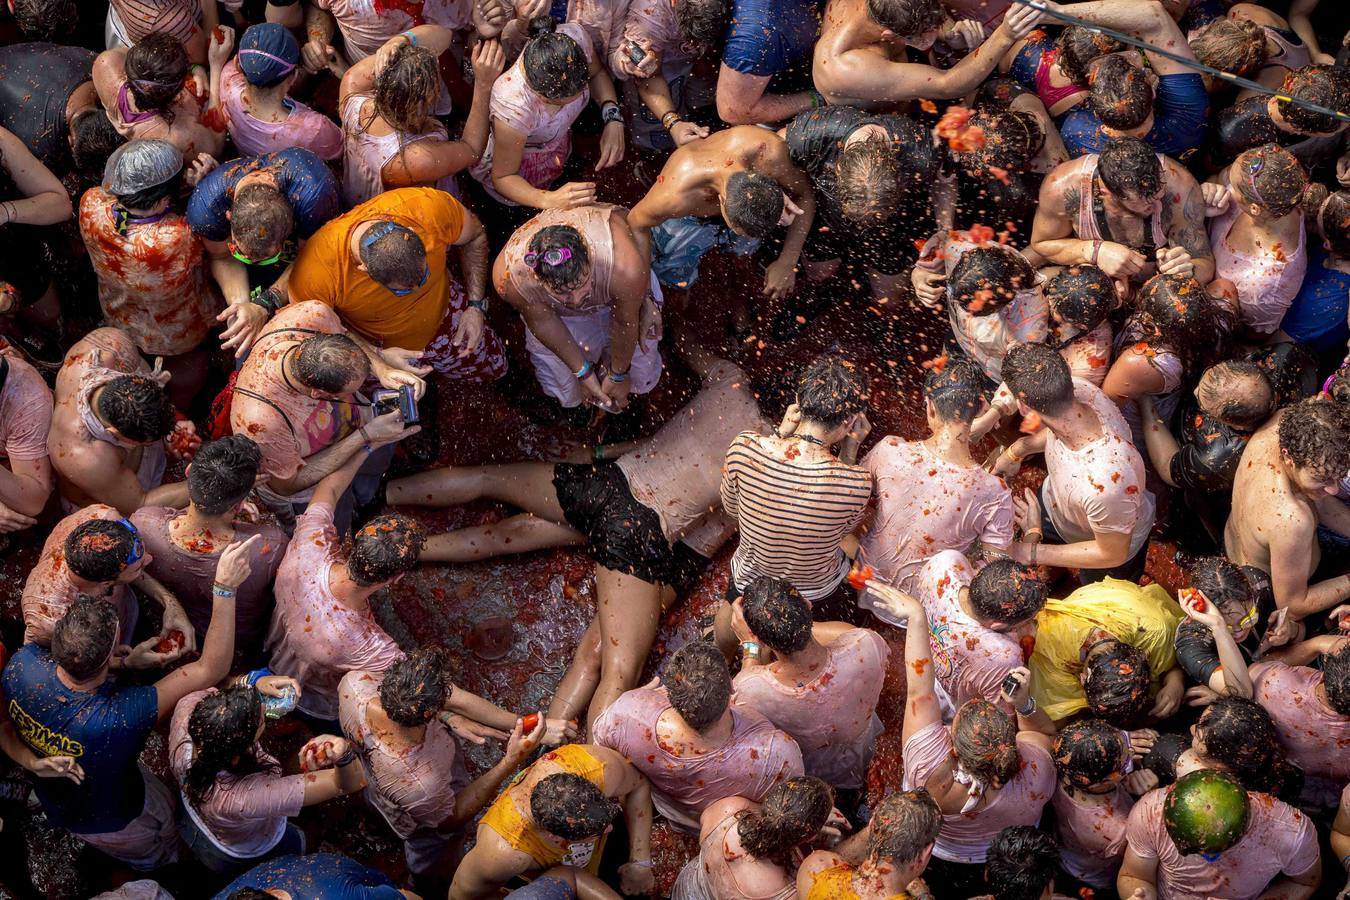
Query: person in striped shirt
[{"x": 794, "y": 499}]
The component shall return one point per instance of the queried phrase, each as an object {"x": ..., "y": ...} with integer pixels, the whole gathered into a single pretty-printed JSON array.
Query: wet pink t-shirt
[
  {"x": 412, "y": 788},
  {"x": 970, "y": 661},
  {"x": 1098, "y": 487},
  {"x": 304, "y": 127},
  {"x": 965, "y": 837},
  {"x": 925, "y": 504},
  {"x": 833, "y": 716},
  {"x": 243, "y": 816},
  {"x": 1279, "y": 839},
  {"x": 367, "y": 24},
  {"x": 25, "y": 410},
  {"x": 49, "y": 592},
  {"x": 1092, "y": 837},
  {"x": 1089, "y": 355},
  {"x": 1267, "y": 283},
  {"x": 755, "y": 758},
  {"x": 313, "y": 638},
  {"x": 1316, "y": 737}
]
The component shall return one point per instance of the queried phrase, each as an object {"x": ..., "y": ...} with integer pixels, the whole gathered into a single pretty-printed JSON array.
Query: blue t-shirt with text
[{"x": 304, "y": 179}]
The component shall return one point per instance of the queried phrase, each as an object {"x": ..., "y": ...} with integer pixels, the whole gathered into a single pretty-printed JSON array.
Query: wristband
[
  {"x": 1012, "y": 454},
  {"x": 251, "y": 679},
  {"x": 670, "y": 120},
  {"x": 599, "y": 452},
  {"x": 644, "y": 863},
  {"x": 1096, "y": 248},
  {"x": 481, "y": 304},
  {"x": 585, "y": 370},
  {"x": 1345, "y": 861},
  {"x": 817, "y": 99},
  {"x": 1040, "y": 533},
  {"x": 345, "y": 759},
  {"x": 365, "y": 434},
  {"x": 618, "y": 377},
  {"x": 221, "y": 590},
  {"x": 412, "y": 38},
  {"x": 610, "y": 113}
]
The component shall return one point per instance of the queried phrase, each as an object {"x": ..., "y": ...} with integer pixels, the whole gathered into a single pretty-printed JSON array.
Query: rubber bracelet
[
  {"x": 583, "y": 371},
  {"x": 599, "y": 452},
  {"x": 480, "y": 304},
  {"x": 412, "y": 38},
  {"x": 251, "y": 679},
  {"x": 1096, "y": 248},
  {"x": 751, "y": 647},
  {"x": 817, "y": 99},
  {"x": 1036, "y": 531},
  {"x": 618, "y": 377}
]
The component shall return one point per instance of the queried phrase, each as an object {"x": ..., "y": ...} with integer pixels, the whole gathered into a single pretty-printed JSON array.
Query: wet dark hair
[
  {"x": 1021, "y": 864},
  {"x": 698, "y": 683},
  {"x": 1231, "y": 45},
  {"x": 1244, "y": 410},
  {"x": 1087, "y": 753},
  {"x": 47, "y": 20},
  {"x": 402, "y": 89},
  {"x": 1130, "y": 167},
  {"x": 1081, "y": 297},
  {"x": 82, "y": 639},
  {"x": 261, "y": 219},
  {"x": 957, "y": 391},
  {"x": 1120, "y": 95},
  {"x": 1161, "y": 759},
  {"x": 1012, "y": 138},
  {"x": 137, "y": 407},
  {"x": 1078, "y": 47},
  {"x": 388, "y": 546},
  {"x": 704, "y": 23},
  {"x": 1116, "y": 682},
  {"x": 97, "y": 550},
  {"x": 903, "y": 826},
  {"x": 570, "y": 273},
  {"x": 223, "y": 727},
  {"x": 569, "y": 806},
  {"x": 1316, "y": 435},
  {"x": 1332, "y": 219},
  {"x": 867, "y": 181},
  {"x": 93, "y": 139},
  {"x": 555, "y": 65},
  {"x": 1006, "y": 591},
  {"x": 753, "y": 203},
  {"x": 156, "y": 68},
  {"x": 416, "y": 687},
  {"x": 777, "y": 614},
  {"x": 987, "y": 278},
  {"x": 149, "y": 197},
  {"x": 829, "y": 391},
  {"x": 223, "y": 473},
  {"x": 1179, "y": 314},
  {"x": 906, "y": 18},
  {"x": 1280, "y": 185},
  {"x": 1240, "y": 735},
  {"x": 791, "y": 813},
  {"x": 985, "y": 198},
  {"x": 1222, "y": 583},
  {"x": 330, "y": 363},
  {"x": 1038, "y": 376},
  {"x": 397, "y": 257},
  {"x": 1326, "y": 86},
  {"x": 985, "y": 740},
  {"x": 1335, "y": 666}
]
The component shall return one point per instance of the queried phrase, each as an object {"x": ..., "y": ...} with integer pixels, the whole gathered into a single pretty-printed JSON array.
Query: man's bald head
[{"x": 1236, "y": 392}]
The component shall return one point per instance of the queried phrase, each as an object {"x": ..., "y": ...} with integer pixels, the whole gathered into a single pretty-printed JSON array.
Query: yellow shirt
[
  {"x": 837, "y": 884},
  {"x": 1145, "y": 618},
  {"x": 326, "y": 271},
  {"x": 521, "y": 834}
]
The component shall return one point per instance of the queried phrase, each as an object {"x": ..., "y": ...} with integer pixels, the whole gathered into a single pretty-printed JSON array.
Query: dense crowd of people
[{"x": 311, "y": 225}]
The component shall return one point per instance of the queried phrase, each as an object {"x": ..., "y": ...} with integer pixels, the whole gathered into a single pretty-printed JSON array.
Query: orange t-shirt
[{"x": 326, "y": 270}]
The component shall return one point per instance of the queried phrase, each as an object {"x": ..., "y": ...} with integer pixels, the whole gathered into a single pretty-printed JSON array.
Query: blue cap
[{"x": 267, "y": 54}]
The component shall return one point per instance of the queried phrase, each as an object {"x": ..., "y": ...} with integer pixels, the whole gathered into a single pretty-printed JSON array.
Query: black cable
[{"x": 1192, "y": 63}]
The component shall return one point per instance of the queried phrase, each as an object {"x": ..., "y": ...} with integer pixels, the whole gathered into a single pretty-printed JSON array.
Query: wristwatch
[
  {"x": 481, "y": 304},
  {"x": 610, "y": 112}
]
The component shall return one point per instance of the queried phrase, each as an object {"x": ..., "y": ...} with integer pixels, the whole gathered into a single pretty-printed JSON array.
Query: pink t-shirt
[
  {"x": 925, "y": 504},
  {"x": 1099, "y": 487},
  {"x": 49, "y": 592},
  {"x": 293, "y": 425},
  {"x": 1267, "y": 283},
  {"x": 1089, "y": 355},
  {"x": 25, "y": 410},
  {"x": 970, "y": 661},
  {"x": 1316, "y": 737},
  {"x": 304, "y": 127},
  {"x": 965, "y": 837},
  {"x": 413, "y": 788},
  {"x": 367, "y": 24},
  {"x": 244, "y": 816},
  {"x": 833, "y": 716},
  {"x": 678, "y": 473},
  {"x": 1279, "y": 839},
  {"x": 754, "y": 759},
  {"x": 313, "y": 638},
  {"x": 1092, "y": 837}
]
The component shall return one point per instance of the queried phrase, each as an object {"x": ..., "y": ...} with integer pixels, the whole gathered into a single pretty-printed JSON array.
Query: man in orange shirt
[{"x": 382, "y": 267}]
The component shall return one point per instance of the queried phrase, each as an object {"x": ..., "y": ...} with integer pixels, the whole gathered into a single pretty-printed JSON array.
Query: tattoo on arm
[
  {"x": 1188, "y": 228},
  {"x": 1072, "y": 199}
]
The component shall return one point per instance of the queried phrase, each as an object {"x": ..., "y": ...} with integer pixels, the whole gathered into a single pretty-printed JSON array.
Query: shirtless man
[
  {"x": 861, "y": 58},
  {"x": 1119, "y": 210},
  {"x": 579, "y": 279},
  {"x": 567, "y": 797},
  {"x": 110, "y": 427},
  {"x": 746, "y": 176},
  {"x": 1294, "y": 460}
]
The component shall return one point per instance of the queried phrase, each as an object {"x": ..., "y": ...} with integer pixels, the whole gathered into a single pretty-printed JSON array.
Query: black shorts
[{"x": 621, "y": 533}]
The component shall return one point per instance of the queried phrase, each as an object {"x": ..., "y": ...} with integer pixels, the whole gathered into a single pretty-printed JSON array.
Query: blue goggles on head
[
  {"x": 379, "y": 230},
  {"x": 403, "y": 292},
  {"x": 137, "y": 545}
]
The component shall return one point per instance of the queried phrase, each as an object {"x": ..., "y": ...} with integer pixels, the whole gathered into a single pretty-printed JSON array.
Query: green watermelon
[{"x": 1206, "y": 811}]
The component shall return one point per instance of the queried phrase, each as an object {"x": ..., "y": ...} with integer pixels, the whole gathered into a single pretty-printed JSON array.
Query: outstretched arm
[{"x": 921, "y": 704}]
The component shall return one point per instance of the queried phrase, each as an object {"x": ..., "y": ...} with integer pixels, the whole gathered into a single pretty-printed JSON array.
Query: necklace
[{"x": 810, "y": 439}]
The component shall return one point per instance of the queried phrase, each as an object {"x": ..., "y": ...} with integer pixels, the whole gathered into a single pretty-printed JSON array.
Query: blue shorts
[
  {"x": 1028, "y": 60},
  {"x": 545, "y": 887},
  {"x": 679, "y": 244}
]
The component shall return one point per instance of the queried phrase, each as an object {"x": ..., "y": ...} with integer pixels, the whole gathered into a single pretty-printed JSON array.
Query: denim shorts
[{"x": 679, "y": 244}]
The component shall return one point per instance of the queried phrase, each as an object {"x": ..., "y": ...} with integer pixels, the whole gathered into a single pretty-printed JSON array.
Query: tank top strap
[{"x": 1087, "y": 221}]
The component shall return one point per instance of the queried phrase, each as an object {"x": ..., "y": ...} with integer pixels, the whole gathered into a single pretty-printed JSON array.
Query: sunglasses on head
[
  {"x": 137, "y": 545},
  {"x": 270, "y": 261}
]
